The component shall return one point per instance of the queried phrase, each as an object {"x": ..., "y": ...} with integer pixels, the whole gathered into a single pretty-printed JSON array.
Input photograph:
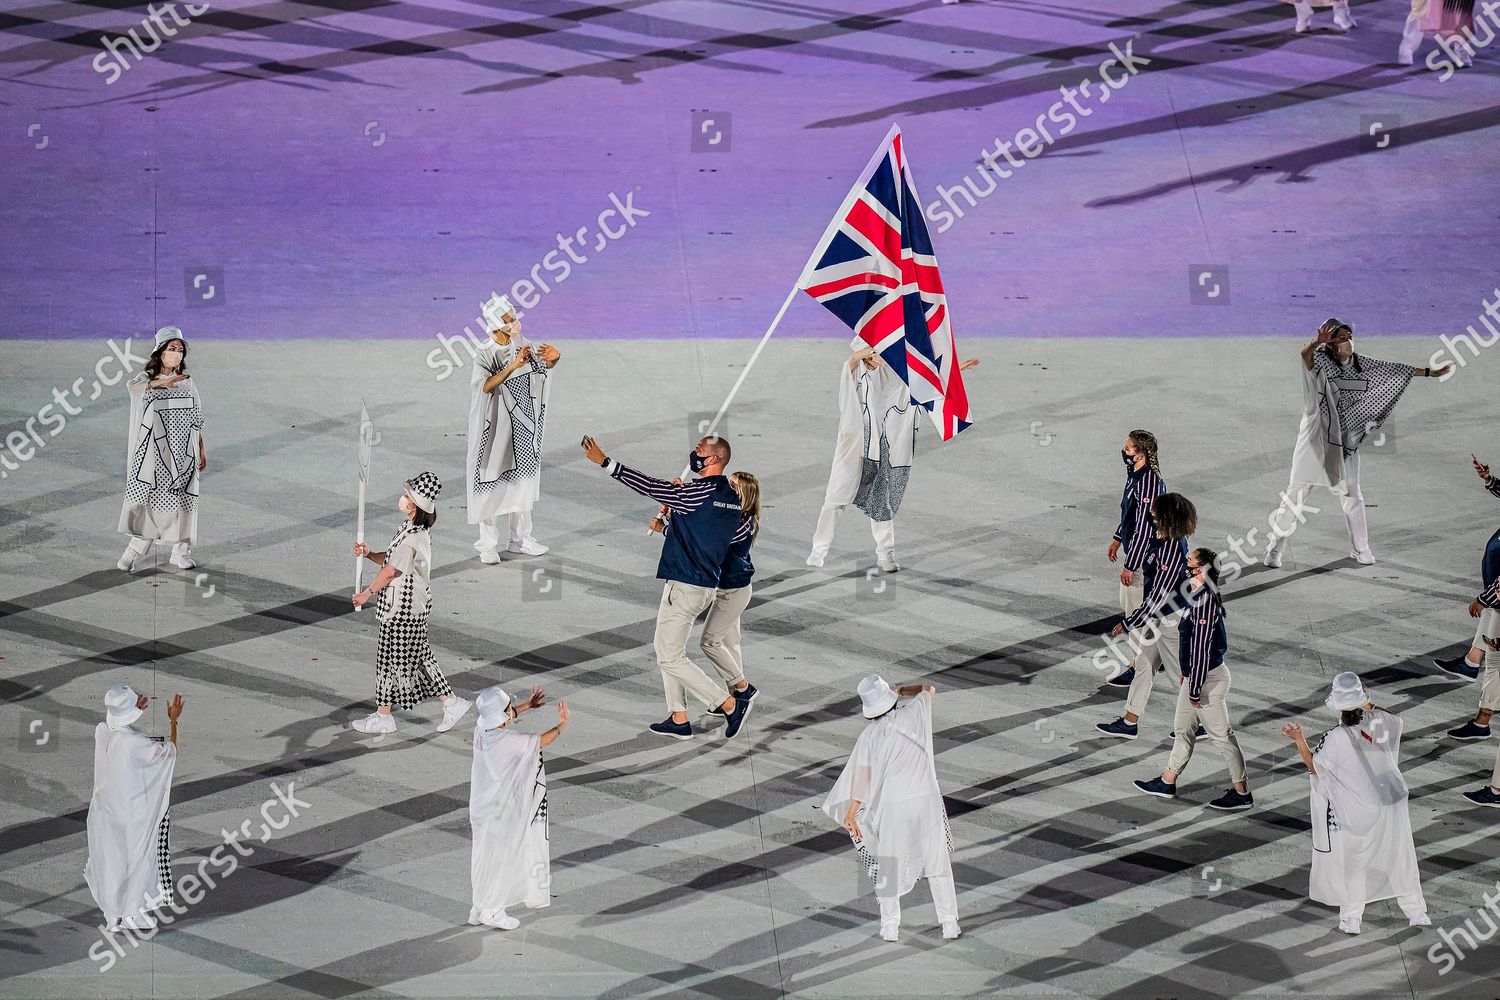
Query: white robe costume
[
  {"x": 132, "y": 790},
  {"x": 505, "y": 441},
  {"x": 1362, "y": 842},
  {"x": 161, "y": 464},
  {"x": 873, "y": 456},
  {"x": 905, "y": 828},
  {"x": 510, "y": 863}
]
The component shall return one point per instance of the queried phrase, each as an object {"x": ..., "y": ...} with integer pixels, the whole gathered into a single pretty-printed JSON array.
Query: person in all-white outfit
[{"x": 1342, "y": 21}]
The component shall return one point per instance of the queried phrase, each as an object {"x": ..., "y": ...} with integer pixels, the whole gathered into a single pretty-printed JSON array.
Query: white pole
[{"x": 359, "y": 536}]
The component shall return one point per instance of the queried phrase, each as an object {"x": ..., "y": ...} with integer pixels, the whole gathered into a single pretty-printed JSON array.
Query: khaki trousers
[
  {"x": 721, "y": 634},
  {"x": 1214, "y": 716},
  {"x": 681, "y": 604},
  {"x": 1157, "y": 652}
]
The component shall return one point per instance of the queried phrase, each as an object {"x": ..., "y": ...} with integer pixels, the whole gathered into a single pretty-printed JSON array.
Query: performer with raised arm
[
  {"x": 1468, "y": 666},
  {"x": 164, "y": 456},
  {"x": 129, "y": 868},
  {"x": 406, "y": 669},
  {"x": 873, "y": 455},
  {"x": 508, "y": 392},
  {"x": 706, "y": 516},
  {"x": 510, "y": 863},
  {"x": 1203, "y": 692},
  {"x": 1345, "y": 398},
  {"x": 1362, "y": 843},
  {"x": 1154, "y": 622},
  {"x": 1143, "y": 484},
  {"x": 888, "y": 798}
]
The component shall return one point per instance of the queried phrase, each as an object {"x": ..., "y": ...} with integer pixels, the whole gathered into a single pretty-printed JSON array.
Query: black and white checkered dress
[{"x": 406, "y": 669}]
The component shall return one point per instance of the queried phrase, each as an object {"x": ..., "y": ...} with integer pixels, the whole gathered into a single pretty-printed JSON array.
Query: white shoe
[
  {"x": 489, "y": 556},
  {"x": 1365, "y": 558},
  {"x": 127, "y": 561},
  {"x": 950, "y": 929},
  {"x": 887, "y": 562},
  {"x": 526, "y": 547},
  {"x": 815, "y": 560},
  {"x": 182, "y": 562},
  {"x": 890, "y": 932},
  {"x": 453, "y": 710},
  {"x": 1405, "y": 57},
  {"x": 142, "y": 921},
  {"x": 1272, "y": 558},
  {"x": 1342, "y": 21},
  {"x": 1303, "y": 27},
  {"x": 1421, "y": 920},
  {"x": 1350, "y": 926},
  {"x": 376, "y": 724},
  {"x": 500, "y": 919}
]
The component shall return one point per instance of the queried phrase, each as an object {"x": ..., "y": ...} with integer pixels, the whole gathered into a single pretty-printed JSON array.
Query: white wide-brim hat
[
  {"x": 169, "y": 333},
  {"x": 1348, "y": 692},
  {"x": 877, "y": 696},
  {"x": 119, "y": 706},
  {"x": 492, "y": 703}
]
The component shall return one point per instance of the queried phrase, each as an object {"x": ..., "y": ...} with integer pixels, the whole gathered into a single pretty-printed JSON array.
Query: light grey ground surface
[{"x": 705, "y": 869}]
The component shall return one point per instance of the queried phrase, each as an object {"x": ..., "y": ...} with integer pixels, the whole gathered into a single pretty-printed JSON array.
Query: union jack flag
[{"x": 875, "y": 270}]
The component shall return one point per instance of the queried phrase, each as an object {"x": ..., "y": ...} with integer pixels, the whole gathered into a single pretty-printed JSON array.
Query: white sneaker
[
  {"x": 1405, "y": 57},
  {"x": 950, "y": 929},
  {"x": 500, "y": 919},
  {"x": 526, "y": 547},
  {"x": 376, "y": 724},
  {"x": 1303, "y": 27},
  {"x": 887, "y": 562},
  {"x": 1421, "y": 920},
  {"x": 1342, "y": 21},
  {"x": 1272, "y": 558},
  {"x": 815, "y": 559},
  {"x": 1365, "y": 558},
  {"x": 127, "y": 561},
  {"x": 141, "y": 921},
  {"x": 1349, "y": 926},
  {"x": 489, "y": 556},
  {"x": 890, "y": 932},
  {"x": 182, "y": 562},
  {"x": 453, "y": 710}
]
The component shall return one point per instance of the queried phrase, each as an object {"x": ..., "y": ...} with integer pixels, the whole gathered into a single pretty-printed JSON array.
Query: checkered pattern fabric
[
  {"x": 881, "y": 484},
  {"x": 164, "y": 861},
  {"x": 426, "y": 487},
  {"x": 1364, "y": 392},
  {"x": 406, "y": 669},
  {"x": 172, "y": 446}
]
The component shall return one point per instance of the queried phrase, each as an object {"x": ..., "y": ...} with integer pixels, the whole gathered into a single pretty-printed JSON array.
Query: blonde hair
[
  {"x": 1146, "y": 442},
  {"x": 748, "y": 487}
]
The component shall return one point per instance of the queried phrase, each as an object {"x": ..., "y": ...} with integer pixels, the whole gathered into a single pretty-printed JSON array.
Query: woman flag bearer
[
  {"x": 1362, "y": 843},
  {"x": 129, "y": 868},
  {"x": 1143, "y": 484},
  {"x": 510, "y": 864},
  {"x": 888, "y": 799}
]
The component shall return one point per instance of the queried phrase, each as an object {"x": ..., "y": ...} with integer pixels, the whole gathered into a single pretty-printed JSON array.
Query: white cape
[
  {"x": 1362, "y": 842},
  {"x": 511, "y": 860},
  {"x": 132, "y": 789},
  {"x": 1316, "y": 462},
  {"x": 505, "y": 433},
  {"x": 901, "y": 815},
  {"x": 161, "y": 462},
  {"x": 870, "y": 403}
]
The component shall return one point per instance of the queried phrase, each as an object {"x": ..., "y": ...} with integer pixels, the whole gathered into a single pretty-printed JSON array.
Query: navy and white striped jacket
[
  {"x": 1166, "y": 573},
  {"x": 705, "y": 518},
  {"x": 738, "y": 570},
  {"x": 1142, "y": 487},
  {"x": 1202, "y": 640},
  {"x": 1489, "y": 569}
]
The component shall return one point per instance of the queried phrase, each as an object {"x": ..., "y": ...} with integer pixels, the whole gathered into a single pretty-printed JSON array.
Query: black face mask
[
  {"x": 1129, "y": 462},
  {"x": 697, "y": 462}
]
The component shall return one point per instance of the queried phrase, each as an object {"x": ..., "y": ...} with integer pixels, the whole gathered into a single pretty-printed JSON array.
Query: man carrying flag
[{"x": 875, "y": 270}]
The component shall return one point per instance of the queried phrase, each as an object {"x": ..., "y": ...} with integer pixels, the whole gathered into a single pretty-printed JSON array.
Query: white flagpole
[{"x": 365, "y": 434}]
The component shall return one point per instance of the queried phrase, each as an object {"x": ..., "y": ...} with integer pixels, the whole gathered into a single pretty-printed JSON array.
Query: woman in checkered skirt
[{"x": 406, "y": 671}]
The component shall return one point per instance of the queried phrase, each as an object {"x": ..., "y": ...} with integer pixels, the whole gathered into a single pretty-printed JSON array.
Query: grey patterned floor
[{"x": 705, "y": 869}]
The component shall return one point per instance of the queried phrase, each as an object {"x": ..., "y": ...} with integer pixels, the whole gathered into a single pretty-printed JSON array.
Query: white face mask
[{"x": 171, "y": 359}]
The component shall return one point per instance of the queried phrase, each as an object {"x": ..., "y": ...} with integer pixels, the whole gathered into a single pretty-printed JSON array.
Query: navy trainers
[
  {"x": 1157, "y": 787},
  {"x": 673, "y": 730},
  {"x": 1119, "y": 728},
  {"x": 1469, "y": 731},
  {"x": 746, "y": 695},
  {"x": 735, "y": 719},
  {"x": 1486, "y": 796},
  {"x": 1123, "y": 678},
  {"x": 1459, "y": 666},
  {"x": 1198, "y": 734},
  {"x": 1233, "y": 801}
]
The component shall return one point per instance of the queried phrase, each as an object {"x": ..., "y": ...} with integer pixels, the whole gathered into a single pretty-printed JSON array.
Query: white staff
[{"x": 365, "y": 441}]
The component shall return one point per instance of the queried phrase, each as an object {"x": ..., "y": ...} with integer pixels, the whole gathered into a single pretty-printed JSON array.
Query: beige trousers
[
  {"x": 1158, "y": 652},
  {"x": 681, "y": 604},
  {"x": 1214, "y": 716},
  {"x": 721, "y": 634}
]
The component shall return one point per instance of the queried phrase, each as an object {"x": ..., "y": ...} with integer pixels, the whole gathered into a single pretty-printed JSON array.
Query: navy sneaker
[
  {"x": 746, "y": 695},
  {"x": 734, "y": 720},
  {"x": 1469, "y": 732},
  {"x": 1157, "y": 787},
  {"x": 1233, "y": 801},
  {"x": 1486, "y": 796},
  {"x": 673, "y": 730},
  {"x": 1122, "y": 679},
  {"x": 1459, "y": 666},
  {"x": 1119, "y": 728},
  {"x": 1198, "y": 734}
]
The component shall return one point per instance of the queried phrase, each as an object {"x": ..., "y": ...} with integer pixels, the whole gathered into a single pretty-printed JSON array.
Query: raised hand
[
  {"x": 174, "y": 707},
  {"x": 1292, "y": 731}
]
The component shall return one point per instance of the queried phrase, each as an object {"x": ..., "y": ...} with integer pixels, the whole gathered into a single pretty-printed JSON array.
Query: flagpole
[{"x": 365, "y": 434}]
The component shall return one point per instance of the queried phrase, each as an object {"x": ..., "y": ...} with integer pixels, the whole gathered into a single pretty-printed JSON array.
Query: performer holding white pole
[
  {"x": 509, "y": 388},
  {"x": 1345, "y": 398},
  {"x": 888, "y": 798},
  {"x": 165, "y": 453},
  {"x": 129, "y": 868},
  {"x": 510, "y": 861},
  {"x": 1362, "y": 842}
]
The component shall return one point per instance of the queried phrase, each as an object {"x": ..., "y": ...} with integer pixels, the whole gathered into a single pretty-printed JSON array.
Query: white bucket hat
[
  {"x": 1348, "y": 692},
  {"x": 169, "y": 333},
  {"x": 877, "y": 696},
  {"x": 424, "y": 490},
  {"x": 119, "y": 706},
  {"x": 494, "y": 309},
  {"x": 492, "y": 703}
]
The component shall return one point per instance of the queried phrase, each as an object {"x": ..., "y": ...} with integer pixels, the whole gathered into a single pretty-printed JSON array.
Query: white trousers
[
  {"x": 721, "y": 634},
  {"x": 1159, "y": 652},
  {"x": 140, "y": 546},
  {"x": 1413, "y": 905},
  {"x": 490, "y": 536},
  {"x": 1353, "y": 502},
  {"x": 944, "y": 900},
  {"x": 828, "y": 519}
]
